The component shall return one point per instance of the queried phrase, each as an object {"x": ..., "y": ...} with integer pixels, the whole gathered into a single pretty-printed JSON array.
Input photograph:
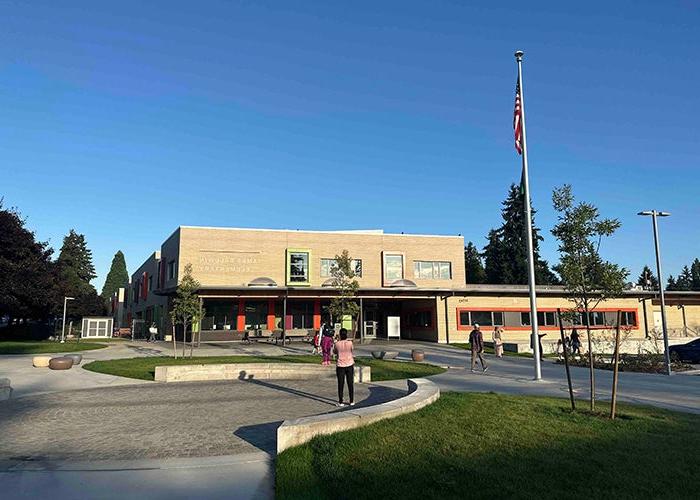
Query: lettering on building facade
[{"x": 224, "y": 261}]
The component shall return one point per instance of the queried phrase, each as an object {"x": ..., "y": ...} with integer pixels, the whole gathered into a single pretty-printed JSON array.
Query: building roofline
[{"x": 365, "y": 232}]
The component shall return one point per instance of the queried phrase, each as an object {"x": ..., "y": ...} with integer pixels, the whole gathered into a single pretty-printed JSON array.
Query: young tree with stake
[
  {"x": 343, "y": 280},
  {"x": 186, "y": 311},
  {"x": 588, "y": 279}
]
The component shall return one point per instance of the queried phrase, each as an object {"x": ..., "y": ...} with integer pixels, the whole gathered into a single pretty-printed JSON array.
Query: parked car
[{"x": 689, "y": 353}]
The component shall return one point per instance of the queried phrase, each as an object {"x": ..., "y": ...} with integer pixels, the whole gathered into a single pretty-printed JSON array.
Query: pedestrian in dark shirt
[{"x": 476, "y": 339}]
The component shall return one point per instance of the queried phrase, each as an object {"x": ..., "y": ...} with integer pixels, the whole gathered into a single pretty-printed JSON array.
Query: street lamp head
[
  {"x": 519, "y": 54},
  {"x": 663, "y": 214},
  {"x": 70, "y": 298},
  {"x": 654, "y": 212},
  {"x": 646, "y": 212}
]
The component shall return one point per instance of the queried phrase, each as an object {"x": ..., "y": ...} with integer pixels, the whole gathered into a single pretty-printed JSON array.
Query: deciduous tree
[
  {"x": 588, "y": 279},
  {"x": 27, "y": 284},
  {"x": 346, "y": 287},
  {"x": 185, "y": 310}
]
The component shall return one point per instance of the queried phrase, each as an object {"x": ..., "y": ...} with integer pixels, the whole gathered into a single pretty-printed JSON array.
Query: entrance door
[{"x": 657, "y": 321}]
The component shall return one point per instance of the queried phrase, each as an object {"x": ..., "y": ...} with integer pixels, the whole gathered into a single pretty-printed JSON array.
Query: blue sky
[{"x": 124, "y": 121}]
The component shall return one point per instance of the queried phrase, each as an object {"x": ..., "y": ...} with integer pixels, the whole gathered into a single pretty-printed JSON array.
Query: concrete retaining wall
[
  {"x": 259, "y": 371},
  {"x": 5, "y": 389},
  {"x": 421, "y": 392}
]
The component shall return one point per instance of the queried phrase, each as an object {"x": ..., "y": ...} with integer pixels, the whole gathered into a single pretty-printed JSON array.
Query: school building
[{"x": 411, "y": 287}]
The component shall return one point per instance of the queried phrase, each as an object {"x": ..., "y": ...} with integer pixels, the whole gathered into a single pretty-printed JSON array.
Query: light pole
[
  {"x": 63, "y": 327},
  {"x": 654, "y": 214}
]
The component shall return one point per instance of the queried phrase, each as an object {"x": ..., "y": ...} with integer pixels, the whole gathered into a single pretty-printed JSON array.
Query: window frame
[
  {"x": 291, "y": 252},
  {"x": 387, "y": 254},
  {"x": 435, "y": 271}
]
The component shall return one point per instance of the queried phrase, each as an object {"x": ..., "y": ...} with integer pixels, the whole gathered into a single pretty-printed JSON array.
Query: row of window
[
  {"x": 468, "y": 318},
  {"x": 393, "y": 265}
]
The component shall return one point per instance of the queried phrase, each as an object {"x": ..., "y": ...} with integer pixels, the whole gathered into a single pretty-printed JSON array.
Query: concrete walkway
[
  {"x": 514, "y": 375},
  {"x": 27, "y": 380}
]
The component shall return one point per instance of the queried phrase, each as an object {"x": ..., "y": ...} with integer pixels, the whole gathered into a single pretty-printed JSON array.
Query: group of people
[
  {"x": 572, "y": 344},
  {"x": 326, "y": 343}
]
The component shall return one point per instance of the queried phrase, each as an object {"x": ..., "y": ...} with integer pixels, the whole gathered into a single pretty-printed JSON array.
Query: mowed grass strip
[
  {"x": 498, "y": 446},
  {"x": 145, "y": 368},
  {"x": 41, "y": 347}
]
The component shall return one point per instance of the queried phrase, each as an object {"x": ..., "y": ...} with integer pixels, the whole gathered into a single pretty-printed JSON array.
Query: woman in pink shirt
[{"x": 345, "y": 367}]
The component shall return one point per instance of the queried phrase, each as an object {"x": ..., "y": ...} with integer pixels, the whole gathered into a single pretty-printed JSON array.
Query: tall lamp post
[
  {"x": 63, "y": 327},
  {"x": 654, "y": 214}
]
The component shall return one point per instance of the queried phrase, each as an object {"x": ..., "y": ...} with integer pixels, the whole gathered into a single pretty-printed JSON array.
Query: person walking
[
  {"x": 326, "y": 343},
  {"x": 345, "y": 367},
  {"x": 153, "y": 332},
  {"x": 497, "y": 337},
  {"x": 575, "y": 342},
  {"x": 476, "y": 339}
]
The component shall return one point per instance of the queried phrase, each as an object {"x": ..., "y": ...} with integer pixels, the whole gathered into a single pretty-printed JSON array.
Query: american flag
[{"x": 517, "y": 123}]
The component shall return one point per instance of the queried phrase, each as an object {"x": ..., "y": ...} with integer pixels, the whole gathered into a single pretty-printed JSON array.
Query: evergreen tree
[
  {"x": 695, "y": 275},
  {"x": 671, "y": 284},
  {"x": 505, "y": 255},
  {"x": 117, "y": 276},
  {"x": 495, "y": 260},
  {"x": 647, "y": 280},
  {"x": 74, "y": 271},
  {"x": 27, "y": 286},
  {"x": 684, "y": 282},
  {"x": 473, "y": 266}
]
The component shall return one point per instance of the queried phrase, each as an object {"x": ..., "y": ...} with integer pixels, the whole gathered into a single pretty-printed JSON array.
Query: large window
[
  {"x": 298, "y": 267},
  {"x": 327, "y": 266},
  {"x": 481, "y": 318},
  {"x": 393, "y": 267},
  {"x": 544, "y": 318},
  {"x": 432, "y": 270},
  {"x": 171, "y": 269}
]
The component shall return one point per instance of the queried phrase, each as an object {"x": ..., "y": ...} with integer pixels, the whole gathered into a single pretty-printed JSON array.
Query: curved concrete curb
[
  {"x": 5, "y": 389},
  {"x": 421, "y": 392},
  {"x": 256, "y": 371}
]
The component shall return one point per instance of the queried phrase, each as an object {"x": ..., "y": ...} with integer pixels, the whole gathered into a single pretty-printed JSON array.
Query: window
[
  {"x": 429, "y": 270},
  {"x": 544, "y": 318},
  {"x": 357, "y": 267},
  {"x": 326, "y": 267},
  {"x": 298, "y": 267},
  {"x": 482, "y": 318},
  {"x": 628, "y": 318},
  {"x": 393, "y": 267},
  {"x": 171, "y": 269},
  {"x": 150, "y": 283},
  {"x": 596, "y": 318},
  {"x": 421, "y": 319}
]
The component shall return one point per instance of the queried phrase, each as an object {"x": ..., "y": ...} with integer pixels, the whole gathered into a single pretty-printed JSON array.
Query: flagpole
[{"x": 528, "y": 223}]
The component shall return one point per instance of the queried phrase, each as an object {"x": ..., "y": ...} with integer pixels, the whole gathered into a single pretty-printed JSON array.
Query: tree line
[
  {"x": 503, "y": 260},
  {"x": 34, "y": 284}
]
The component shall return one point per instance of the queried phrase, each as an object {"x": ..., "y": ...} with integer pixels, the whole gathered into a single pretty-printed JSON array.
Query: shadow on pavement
[{"x": 262, "y": 436}]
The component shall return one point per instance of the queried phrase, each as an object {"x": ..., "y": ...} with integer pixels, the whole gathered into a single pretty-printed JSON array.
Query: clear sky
[{"x": 126, "y": 119}]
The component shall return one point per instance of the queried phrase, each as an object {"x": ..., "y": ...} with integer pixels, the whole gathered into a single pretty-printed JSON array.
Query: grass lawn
[
  {"x": 145, "y": 368},
  {"x": 45, "y": 346},
  {"x": 497, "y": 446}
]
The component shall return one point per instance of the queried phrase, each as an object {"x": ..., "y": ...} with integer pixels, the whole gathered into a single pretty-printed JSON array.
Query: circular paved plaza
[{"x": 164, "y": 420}]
